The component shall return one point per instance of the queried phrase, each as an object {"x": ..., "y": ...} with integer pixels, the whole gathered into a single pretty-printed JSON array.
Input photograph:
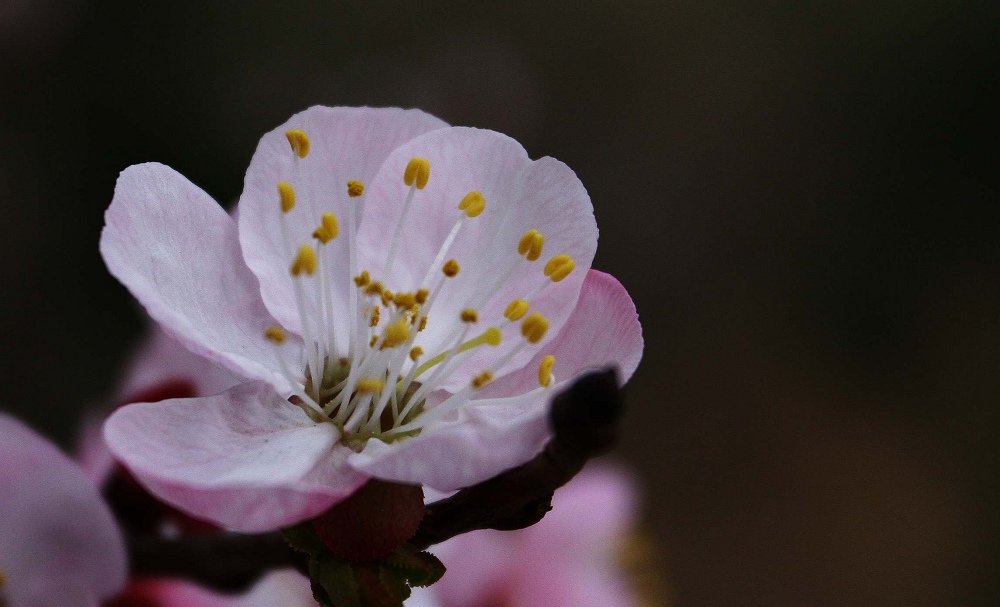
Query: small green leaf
[
  {"x": 420, "y": 568},
  {"x": 302, "y": 537},
  {"x": 335, "y": 576}
]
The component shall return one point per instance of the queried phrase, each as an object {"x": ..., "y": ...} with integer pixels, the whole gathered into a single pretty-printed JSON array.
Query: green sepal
[
  {"x": 419, "y": 568},
  {"x": 302, "y": 537},
  {"x": 377, "y": 589},
  {"x": 334, "y": 582},
  {"x": 395, "y": 582}
]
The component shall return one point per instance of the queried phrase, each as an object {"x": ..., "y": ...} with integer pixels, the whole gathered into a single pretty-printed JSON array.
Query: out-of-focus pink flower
[
  {"x": 284, "y": 588},
  {"x": 59, "y": 544},
  {"x": 416, "y": 346},
  {"x": 569, "y": 559}
]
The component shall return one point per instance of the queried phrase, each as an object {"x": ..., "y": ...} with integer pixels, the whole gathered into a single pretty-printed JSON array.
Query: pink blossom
[
  {"x": 284, "y": 588},
  {"x": 370, "y": 222},
  {"x": 569, "y": 559},
  {"x": 59, "y": 544}
]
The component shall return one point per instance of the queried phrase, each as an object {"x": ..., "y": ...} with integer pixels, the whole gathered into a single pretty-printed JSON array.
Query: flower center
[{"x": 374, "y": 381}]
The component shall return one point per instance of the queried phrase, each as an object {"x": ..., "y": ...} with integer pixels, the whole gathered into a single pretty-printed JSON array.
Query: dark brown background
[{"x": 802, "y": 199}]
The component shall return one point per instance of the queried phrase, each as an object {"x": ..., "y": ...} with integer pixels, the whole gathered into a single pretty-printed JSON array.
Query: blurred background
[{"x": 801, "y": 198}]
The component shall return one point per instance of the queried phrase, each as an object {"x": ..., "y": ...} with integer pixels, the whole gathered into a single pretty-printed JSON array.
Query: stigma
[{"x": 369, "y": 366}]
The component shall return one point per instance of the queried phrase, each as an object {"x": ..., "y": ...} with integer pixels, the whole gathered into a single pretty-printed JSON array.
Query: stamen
[
  {"x": 534, "y": 327},
  {"x": 545, "y": 371},
  {"x": 299, "y": 142},
  {"x": 287, "y": 194},
  {"x": 305, "y": 261},
  {"x": 531, "y": 245},
  {"x": 559, "y": 267},
  {"x": 491, "y": 336},
  {"x": 516, "y": 310},
  {"x": 362, "y": 279},
  {"x": 396, "y": 333},
  {"x": 482, "y": 379},
  {"x": 421, "y": 296},
  {"x": 473, "y": 204},
  {"x": 418, "y": 171},
  {"x": 355, "y": 188},
  {"x": 469, "y": 315},
  {"x": 375, "y": 316},
  {"x": 423, "y": 323},
  {"x": 535, "y": 251},
  {"x": 404, "y": 300},
  {"x": 374, "y": 288},
  {"x": 328, "y": 229},
  {"x": 387, "y": 297},
  {"x": 416, "y": 353},
  {"x": 275, "y": 334},
  {"x": 451, "y": 268},
  {"x": 370, "y": 385}
]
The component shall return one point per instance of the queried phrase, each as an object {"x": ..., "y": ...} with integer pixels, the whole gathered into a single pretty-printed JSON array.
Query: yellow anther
[
  {"x": 524, "y": 245},
  {"x": 386, "y": 297},
  {"x": 355, "y": 188},
  {"x": 373, "y": 341},
  {"x": 482, "y": 379},
  {"x": 545, "y": 370},
  {"x": 275, "y": 334},
  {"x": 422, "y": 295},
  {"x": 404, "y": 300},
  {"x": 493, "y": 336},
  {"x": 417, "y": 171},
  {"x": 535, "y": 250},
  {"x": 396, "y": 333},
  {"x": 516, "y": 310},
  {"x": 287, "y": 194},
  {"x": 328, "y": 228},
  {"x": 534, "y": 327},
  {"x": 376, "y": 314},
  {"x": 423, "y": 323},
  {"x": 305, "y": 261},
  {"x": 470, "y": 315},
  {"x": 374, "y": 288},
  {"x": 370, "y": 385},
  {"x": 416, "y": 353},
  {"x": 362, "y": 279},
  {"x": 299, "y": 141},
  {"x": 451, "y": 268},
  {"x": 473, "y": 204},
  {"x": 559, "y": 267}
]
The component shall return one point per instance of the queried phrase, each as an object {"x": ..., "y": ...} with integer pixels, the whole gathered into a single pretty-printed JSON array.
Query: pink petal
[
  {"x": 604, "y": 330},
  {"x": 59, "y": 544},
  {"x": 245, "y": 459},
  {"x": 177, "y": 252},
  {"x": 520, "y": 194},
  {"x": 601, "y": 500},
  {"x": 161, "y": 358},
  {"x": 346, "y": 144},
  {"x": 479, "y": 444},
  {"x": 286, "y": 588}
]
